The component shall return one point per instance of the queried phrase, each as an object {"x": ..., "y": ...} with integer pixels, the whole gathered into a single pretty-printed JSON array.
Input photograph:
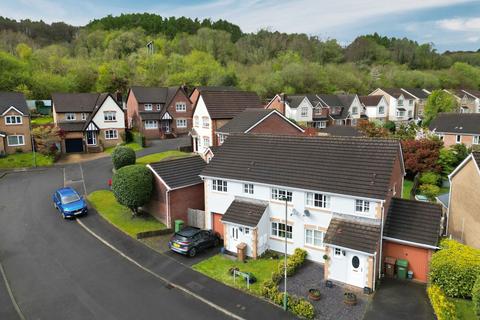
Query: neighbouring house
[
  {"x": 341, "y": 131},
  {"x": 421, "y": 96},
  {"x": 90, "y": 121},
  {"x": 299, "y": 108},
  {"x": 258, "y": 120},
  {"x": 177, "y": 188},
  {"x": 158, "y": 112},
  {"x": 454, "y": 128},
  {"x": 376, "y": 107},
  {"x": 412, "y": 231},
  {"x": 332, "y": 203},
  {"x": 401, "y": 104},
  {"x": 468, "y": 100},
  {"x": 14, "y": 123},
  {"x": 352, "y": 107},
  {"x": 215, "y": 107},
  {"x": 463, "y": 218}
]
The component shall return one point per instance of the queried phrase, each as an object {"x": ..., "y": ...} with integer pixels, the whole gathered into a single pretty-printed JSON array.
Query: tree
[
  {"x": 447, "y": 160},
  {"x": 132, "y": 186},
  {"x": 421, "y": 156},
  {"x": 438, "y": 101},
  {"x": 371, "y": 129},
  {"x": 123, "y": 156},
  {"x": 407, "y": 131},
  {"x": 46, "y": 139}
]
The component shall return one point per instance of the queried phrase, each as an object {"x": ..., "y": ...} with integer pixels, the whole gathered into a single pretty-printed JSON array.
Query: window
[
  {"x": 381, "y": 110},
  {"x": 13, "y": 120},
  {"x": 15, "y": 140},
  {"x": 314, "y": 237},
  {"x": 440, "y": 136},
  {"x": 410, "y": 103},
  {"x": 476, "y": 140},
  {"x": 219, "y": 185},
  {"x": 400, "y": 102},
  {"x": 355, "y": 110},
  {"x": 181, "y": 107},
  {"x": 159, "y": 107},
  {"x": 278, "y": 230},
  {"x": 205, "y": 122},
  {"x": 400, "y": 113},
  {"x": 70, "y": 116},
  {"x": 304, "y": 112},
  {"x": 318, "y": 200},
  {"x": 206, "y": 141},
  {"x": 410, "y": 113},
  {"x": 148, "y": 107},
  {"x": 83, "y": 116},
  {"x": 248, "y": 188},
  {"x": 181, "y": 123},
  {"x": 235, "y": 233},
  {"x": 339, "y": 122},
  {"x": 280, "y": 194},
  {"x": 458, "y": 139},
  {"x": 110, "y": 116},
  {"x": 111, "y": 134},
  {"x": 221, "y": 138},
  {"x": 337, "y": 252},
  {"x": 362, "y": 206},
  {"x": 196, "y": 121},
  {"x": 247, "y": 230},
  {"x": 321, "y": 124},
  {"x": 151, "y": 124}
]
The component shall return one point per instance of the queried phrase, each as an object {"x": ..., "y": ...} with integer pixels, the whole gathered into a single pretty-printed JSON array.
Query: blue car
[{"x": 69, "y": 202}]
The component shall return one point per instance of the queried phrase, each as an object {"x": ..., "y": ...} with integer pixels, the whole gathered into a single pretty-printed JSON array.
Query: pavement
[{"x": 399, "y": 300}]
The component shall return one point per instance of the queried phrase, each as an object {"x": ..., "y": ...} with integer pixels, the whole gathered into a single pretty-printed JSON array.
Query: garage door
[
  {"x": 418, "y": 258},
  {"x": 73, "y": 145},
  {"x": 217, "y": 224}
]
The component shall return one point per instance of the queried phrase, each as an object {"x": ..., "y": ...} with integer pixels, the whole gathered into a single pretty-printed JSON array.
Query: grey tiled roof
[
  {"x": 13, "y": 99},
  {"x": 244, "y": 213},
  {"x": 456, "y": 123},
  {"x": 417, "y": 92},
  {"x": 444, "y": 199},
  {"x": 369, "y": 101},
  {"x": 150, "y": 115},
  {"x": 414, "y": 221},
  {"x": 354, "y": 166},
  {"x": 397, "y": 92},
  {"x": 244, "y": 120},
  {"x": 74, "y": 102},
  {"x": 330, "y": 100},
  {"x": 342, "y": 131},
  {"x": 72, "y": 126},
  {"x": 150, "y": 94},
  {"x": 227, "y": 104},
  {"x": 353, "y": 235},
  {"x": 181, "y": 172}
]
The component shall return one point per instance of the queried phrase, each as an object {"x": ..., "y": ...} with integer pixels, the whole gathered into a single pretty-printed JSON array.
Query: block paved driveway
[{"x": 399, "y": 300}]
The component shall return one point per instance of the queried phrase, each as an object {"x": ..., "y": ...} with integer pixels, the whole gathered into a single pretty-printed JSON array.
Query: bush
[
  {"x": 444, "y": 309},
  {"x": 430, "y": 191},
  {"x": 277, "y": 276},
  {"x": 128, "y": 136},
  {"x": 123, "y": 156},
  {"x": 301, "y": 307},
  {"x": 429, "y": 178},
  {"x": 293, "y": 262},
  {"x": 476, "y": 296},
  {"x": 132, "y": 186},
  {"x": 455, "y": 268},
  {"x": 390, "y": 126}
]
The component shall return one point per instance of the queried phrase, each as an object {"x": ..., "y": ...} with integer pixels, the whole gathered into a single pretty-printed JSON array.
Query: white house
[
  {"x": 401, "y": 104},
  {"x": 333, "y": 191},
  {"x": 376, "y": 107}
]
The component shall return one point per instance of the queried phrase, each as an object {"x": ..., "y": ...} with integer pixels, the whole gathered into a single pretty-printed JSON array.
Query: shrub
[
  {"x": 430, "y": 178},
  {"x": 123, "y": 156},
  {"x": 444, "y": 309},
  {"x": 390, "y": 126},
  {"x": 430, "y": 191},
  {"x": 476, "y": 296},
  {"x": 277, "y": 276},
  {"x": 293, "y": 262},
  {"x": 132, "y": 186},
  {"x": 454, "y": 268},
  {"x": 301, "y": 308}
]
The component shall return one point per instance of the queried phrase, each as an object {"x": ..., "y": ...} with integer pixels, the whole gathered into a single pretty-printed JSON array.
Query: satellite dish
[
  {"x": 306, "y": 213},
  {"x": 294, "y": 212}
]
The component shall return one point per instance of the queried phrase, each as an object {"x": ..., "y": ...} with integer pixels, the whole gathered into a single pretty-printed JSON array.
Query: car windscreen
[
  {"x": 70, "y": 198},
  {"x": 181, "y": 237}
]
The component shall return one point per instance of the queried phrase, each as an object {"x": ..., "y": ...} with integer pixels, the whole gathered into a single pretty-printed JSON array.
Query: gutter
[
  {"x": 381, "y": 241},
  {"x": 414, "y": 244}
]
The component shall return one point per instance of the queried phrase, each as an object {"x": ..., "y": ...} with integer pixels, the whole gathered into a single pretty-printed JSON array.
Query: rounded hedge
[
  {"x": 123, "y": 156},
  {"x": 132, "y": 186},
  {"x": 476, "y": 296}
]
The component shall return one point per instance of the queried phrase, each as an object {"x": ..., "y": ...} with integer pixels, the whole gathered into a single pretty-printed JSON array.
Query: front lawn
[
  {"x": 121, "y": 217},
  {"x": 155, "y": 157},
  {"x": 407, "y": 187},
  {"x": 465, "y": 309},
  {"x": 38, "y": 121},
  {"x": 135, "y": 146},
  {"x": 217, "y": 268},
  {"x": 25, "y": 160}
]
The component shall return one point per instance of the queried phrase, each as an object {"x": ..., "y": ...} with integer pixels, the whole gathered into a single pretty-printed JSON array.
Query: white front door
[{"x": 356, "y": 269}]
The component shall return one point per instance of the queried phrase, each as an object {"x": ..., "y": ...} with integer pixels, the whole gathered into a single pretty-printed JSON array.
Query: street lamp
[{"x": 285, "y": 256}]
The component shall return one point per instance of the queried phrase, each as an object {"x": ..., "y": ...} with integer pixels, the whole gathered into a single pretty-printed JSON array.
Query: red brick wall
[
  {"x": 275, "y": 124},
  {"x": 132, "y": 111},
  {"x": 418, "y": 258},
  {"x": 194, "y": 98},
  {"x": 395, "y": 183},
  {"x": 451, "y": 139},
  {"x": 217, "y": 123},
  {"x": 182, "y": 199},
  {"x": 277, "y": 104},
  {"x": 188, "y": 115},
  {"x": 157, "y": 206}
]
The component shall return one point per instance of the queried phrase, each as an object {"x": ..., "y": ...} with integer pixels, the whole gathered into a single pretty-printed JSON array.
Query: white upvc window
[
  {"x": 248, "y": 188},
  {"x": 320, "y": 124},
  {"x": 339, "y": 122},
  {"x": 318, "y": 200},
  {"x": 13, "y": 120},
  {"x": 151, "y": 124},
  {"x": 280, "y": 229},
  {"x": 15, "y": 140},
  {"x": 181, "y": 123},
  {"x": 458, "y": 139},
  {"x": 410, "y": 102},
  {"x": 476, "y": 140},
  {"x": 281, "y": 194},
  {"x": 220, "y": 185},
  {"x": 381, "y": 110},
  {"x": 205, "y": 122},
  {"x": 337, "y": 253},
  {"x": 147, "y": 106},
  {"x": 159, "y": 107},
  {"x": 362, "y": 206},
  {"x": 400, "y": 102},
  {"x": 181, "y": 107},
  {"x": 110, "y": 116},
  {"x": 83, "y": 116},
  {"x": 304, "y": 112},
  {"x": 221, "y": 138},
  {"x": 196, "y": 122},
  {"x": 70, "y": 116},
  {"x": 206, "y": 141},
  {"x": 111, "y": 134},
  {"x": 314, "y": 237},
  {"x": 410, "y": 113},
  {"x": 355, "y": 110},
  {"x": 400, "y": 113}
]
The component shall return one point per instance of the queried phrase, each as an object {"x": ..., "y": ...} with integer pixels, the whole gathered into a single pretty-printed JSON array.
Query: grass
[
  {"x": 217, "y": 268},
  {"x": 407, "y": 187},
  {"x": 135, "y": 146},
  {"x": 120, "y": 216},
  {"x": 155, "y": 157},
  {"x": 465, "y": 309},
  {"x": 25, "y": 160},
  {"x": 38, "y": 121}
]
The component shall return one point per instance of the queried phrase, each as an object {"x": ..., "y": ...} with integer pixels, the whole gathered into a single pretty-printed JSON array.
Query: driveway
[{"x": 399, "y": 300}]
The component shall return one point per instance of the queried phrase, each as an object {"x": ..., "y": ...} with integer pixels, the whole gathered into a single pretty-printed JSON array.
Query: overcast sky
[{"x": 449, "y": 24}]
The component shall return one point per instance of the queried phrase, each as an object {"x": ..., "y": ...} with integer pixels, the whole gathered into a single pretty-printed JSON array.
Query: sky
[{"x": 448, "y": 24}]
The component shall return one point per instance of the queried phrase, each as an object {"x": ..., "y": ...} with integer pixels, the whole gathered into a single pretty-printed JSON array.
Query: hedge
[
  {"x": 444, "y": 308},
  {"x": 454, "y": 268},
  {"x": 132, "y": 186},
  {"x": 123, "y": 156},
  {"x": 476, "y": 296}
]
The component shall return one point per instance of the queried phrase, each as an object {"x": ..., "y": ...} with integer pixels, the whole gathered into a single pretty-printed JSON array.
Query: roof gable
[
  {"x": 13, "y": 99},
  {"x": 180, "y": 172}
]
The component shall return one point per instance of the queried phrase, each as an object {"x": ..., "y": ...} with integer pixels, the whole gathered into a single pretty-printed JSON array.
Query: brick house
[
  {"x": 463, "y": 217},
  {"x": 455, "y": 128},
  {"x": 14, "y": 123},
  {"x": 159, "y": 111},
  {"x": 177, "y": 188},
  {"x": 90, "y": 121}
]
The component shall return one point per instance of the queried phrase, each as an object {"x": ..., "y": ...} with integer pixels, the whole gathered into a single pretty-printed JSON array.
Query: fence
[{"x": 196, "y": 218}]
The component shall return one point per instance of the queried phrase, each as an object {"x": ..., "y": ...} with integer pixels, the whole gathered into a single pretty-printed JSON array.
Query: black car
[{"x": 189, "y": 241}]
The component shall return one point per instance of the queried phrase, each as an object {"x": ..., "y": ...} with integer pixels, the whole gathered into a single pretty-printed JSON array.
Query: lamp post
[{"x": 285, "y": 257}]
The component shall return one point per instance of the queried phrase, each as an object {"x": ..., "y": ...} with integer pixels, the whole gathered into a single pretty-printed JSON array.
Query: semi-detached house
[{"x": 14, "y": 123}]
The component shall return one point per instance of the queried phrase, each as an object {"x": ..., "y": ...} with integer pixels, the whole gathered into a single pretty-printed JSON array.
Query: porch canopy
[
  {"x": 357, "y": 236},
  {"x": 245, "y": 212}
]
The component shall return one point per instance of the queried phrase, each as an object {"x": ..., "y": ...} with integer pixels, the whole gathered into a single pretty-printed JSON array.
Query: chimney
[{"x": 283, "y": 96}]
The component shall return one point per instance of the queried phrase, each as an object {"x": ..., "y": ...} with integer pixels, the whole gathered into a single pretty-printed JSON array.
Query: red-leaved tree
[{"x": 421, "y": 156}]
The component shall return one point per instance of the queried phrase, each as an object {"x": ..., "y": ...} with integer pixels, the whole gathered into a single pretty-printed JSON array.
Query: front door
[
  {"x": 166, "y": 126},
  {"x": 356, "y": 269},
  {"x": 91, "y": 138}
]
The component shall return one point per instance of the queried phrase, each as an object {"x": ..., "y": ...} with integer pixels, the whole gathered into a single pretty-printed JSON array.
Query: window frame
[
  {"x": 220, "y": 185},
  {"x": 339, "y": 255},
  {"x": 205, "y": 122},
  {"x": 364, "y": 206},
  {"x": 248, "y": 188},
  {"x": 313, "y": 237},
  {"x": 276, "y": 230},
  {"x": 110, "y": 132},
  {"x": 147, "y": 107},
  {"x": 14, "y": 123},
  {"x": 354, "y": 110},
  {"x": 151, "y": 124},
  {"x": 206, "y": 141},
  {"x": 196, "y": 121},
  {"x": 381, "y": 110},
  {"x": 476, "y": 140},
  {"x": 275, "y": 194},
  {"x": 17, "y": 136},
  {"x": 183, "y": 121},
  {"x": 83, "y": 116},
  {"x": 67, "y": 118},
  {"x": 159, "y": 107},
  {"x": 458, "y": 138},
  {"x": 110, "y": 116},
  {"x": 323, "y": 201},
  {"x": 304, "y": 112},
  {"x": 181, "y": 104}
]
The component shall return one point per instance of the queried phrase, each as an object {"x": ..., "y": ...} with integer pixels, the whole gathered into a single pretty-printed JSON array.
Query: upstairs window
[
  {"x": 110, "y": 116},
  {"x": 248, "y": 188},
  {"x": 476, "y": 140},
  {"x": 381, "y": 110},
  {"x": 355, "y": 110},
  {"x": 159, "y": 107},
  {"x": 196, "y": 122},
  {"x": 362, "y": 206},
  {"x": 281, "y": 194},
  {"x": 206, "y": 142},
  {"x": 400, "y": 102},
  {"x": 13, "y": 120},
  {"x": 318, "y": 200},
  {"x": 181, "y": 107},
  {"x": 70, "y": 116},
  {"x": 148, "y": 107},
  {"x": 280, "y": 230},
  {"x": 410, "y": 103},
  {"x": 220, "y": 185},
  {"x": 83, "y": 116},
  {"x": 304, "y": 112},
  {"x": 458, "y": 139},
  {"x": 205, "y": 122}
]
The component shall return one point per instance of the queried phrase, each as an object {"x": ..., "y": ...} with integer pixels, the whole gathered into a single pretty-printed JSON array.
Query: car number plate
[{"x": 176, "y": 245}]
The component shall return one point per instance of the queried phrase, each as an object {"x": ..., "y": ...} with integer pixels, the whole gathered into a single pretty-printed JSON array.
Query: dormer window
[
  {"x": 70, "y": 116},
  {"x": 148, "y": 107},
  {"x": 159, "y": 107},
  {"x": 362, "y": 206},
  {"x": 355, "y": 110},
  {"x": 83, "y": 116},
  {"x": 400, "y": 102}
]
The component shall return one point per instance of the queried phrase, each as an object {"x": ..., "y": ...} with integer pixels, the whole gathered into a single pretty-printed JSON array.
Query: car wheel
[{"x": 192, "y": 253}]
